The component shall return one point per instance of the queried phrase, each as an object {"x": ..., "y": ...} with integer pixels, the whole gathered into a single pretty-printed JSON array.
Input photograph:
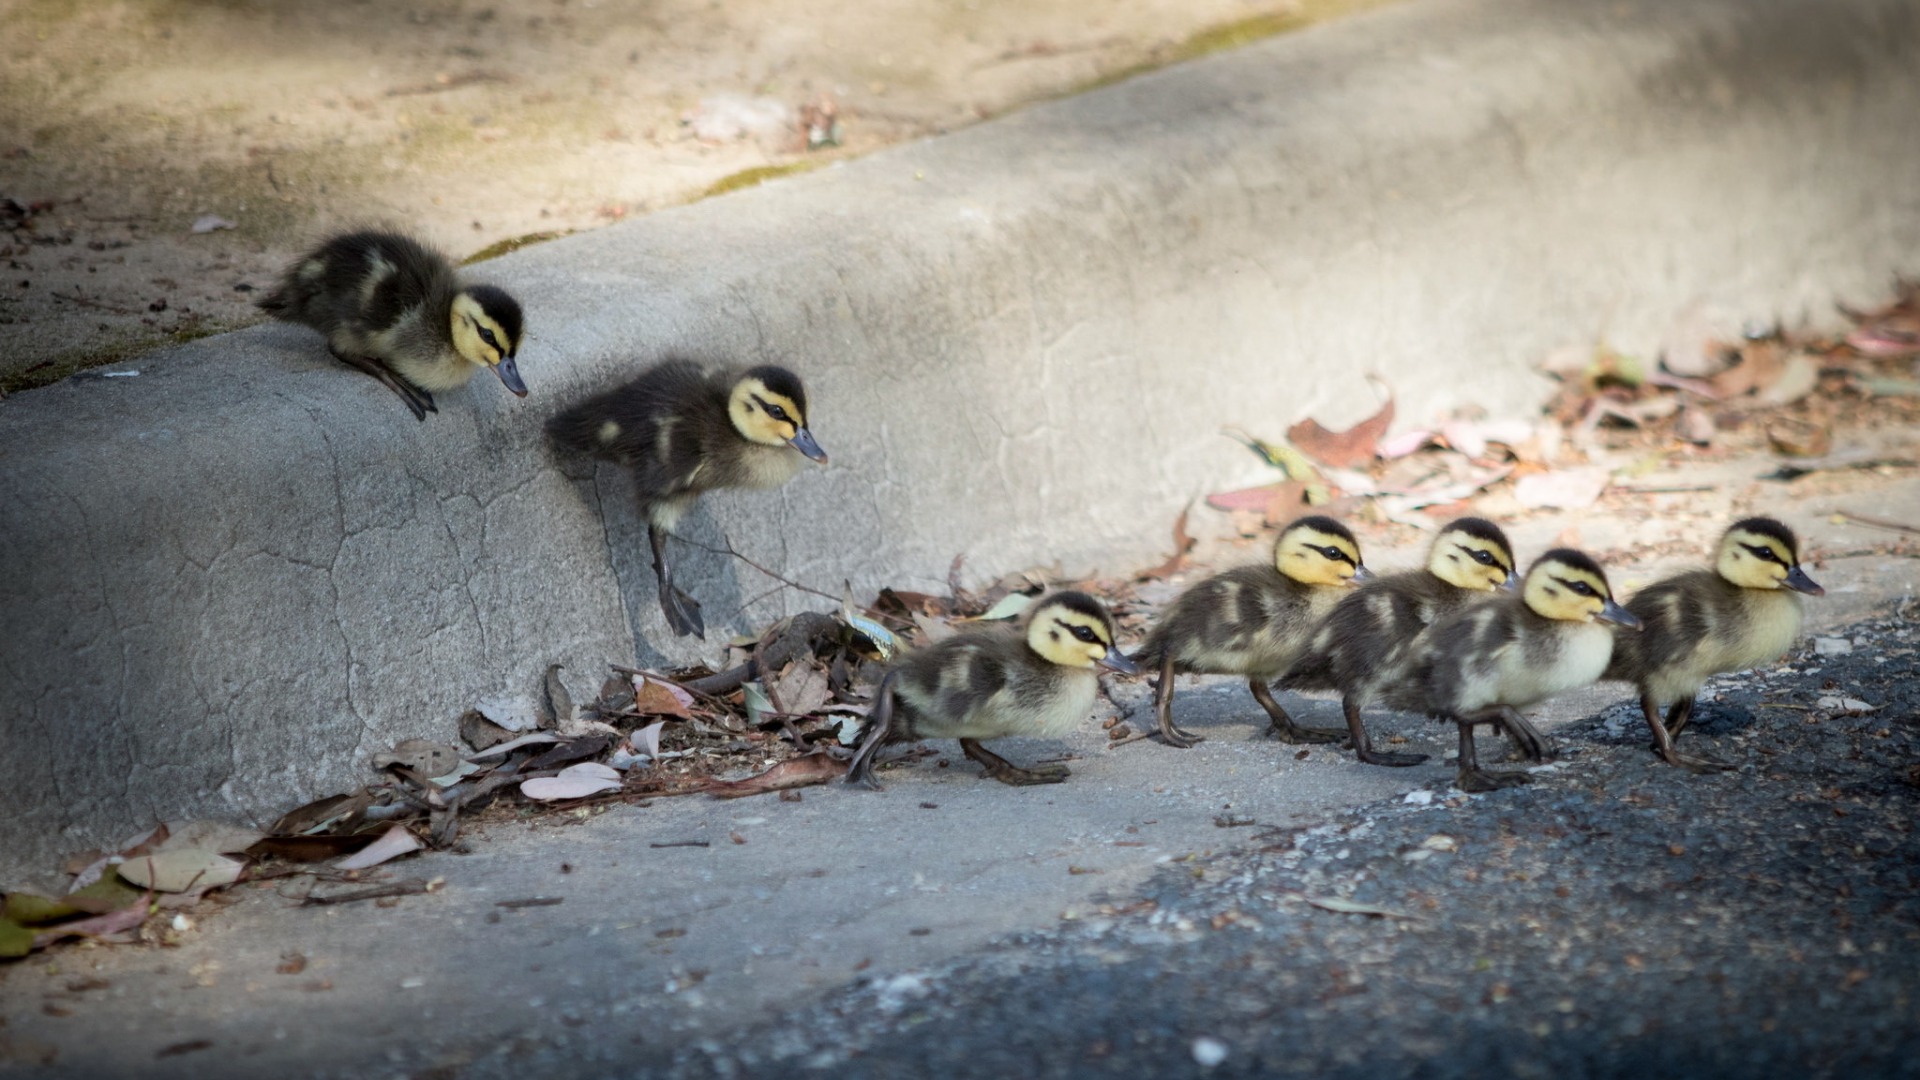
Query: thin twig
[
  {"x": 84, "y": 302},
  {"x": 710, "y": 687},
  {"x": 1878, "y": 523},
  {"x": 729, "y": 550},
  {"x": 409, "y": 887}
]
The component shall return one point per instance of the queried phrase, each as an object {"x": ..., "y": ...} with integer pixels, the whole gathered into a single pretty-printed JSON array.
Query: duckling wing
[
  {"x": 1246, "y": 621},
  {"x": 1366, "y": 636},
  {"x": 667, "y": 425},
  {"x": 1466, "y": 660},
  {"x": 943, "y": 690},
  {"x": 365, "y": 282},
  {"x": 1698, "y": 624},
  {"x": 987, "y": 684}
]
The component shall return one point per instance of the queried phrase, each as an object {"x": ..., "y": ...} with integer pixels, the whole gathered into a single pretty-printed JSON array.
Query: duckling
[
  {"x": 1489, "y": 660},
  {"x": 684, "y": 430},
  {"x": 1372, "y": 639},
  {"x": 1255, "y": 621},
  {"x": 1742, "y": 612},
  {"x": 1035, "y": 678},
  {"x": 396, "y": 309}
]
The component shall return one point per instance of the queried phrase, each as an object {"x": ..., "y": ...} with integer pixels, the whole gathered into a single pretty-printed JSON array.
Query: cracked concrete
[{"x": 232, "y": 576}]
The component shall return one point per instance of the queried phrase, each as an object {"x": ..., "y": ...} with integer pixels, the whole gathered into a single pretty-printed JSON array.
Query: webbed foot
[
  {"x": 1007, "y": 772},
  {"x": 1177, "y": 737},
  {"x": 1392, "y": 759},
  {"x": 682, "y": 612},
  {"x": 1694, "y": 763},
  {"x": 1294, "y": 733},
  {"x": 1477, "y": 780}
]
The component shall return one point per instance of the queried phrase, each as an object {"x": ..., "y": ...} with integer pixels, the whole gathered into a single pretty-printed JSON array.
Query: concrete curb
[{"x": 232, "y": 577}]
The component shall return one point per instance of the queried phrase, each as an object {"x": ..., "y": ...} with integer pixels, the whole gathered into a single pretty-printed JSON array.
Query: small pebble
[{"x": 1209, "y": 1051}]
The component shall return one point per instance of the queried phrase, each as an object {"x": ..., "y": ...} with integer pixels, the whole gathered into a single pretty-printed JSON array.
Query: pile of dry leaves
[
  {"x": 1767, "y": 389},
  {"x": 780, "y": 716}
]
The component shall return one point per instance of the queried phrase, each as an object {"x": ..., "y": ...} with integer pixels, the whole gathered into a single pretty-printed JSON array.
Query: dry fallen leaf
[
  {"x": 802, "y": 688},
  {"x": 1566, "y": 489},
  {"x": 573, "y": 782},
  {"x": 1343, "y": 449},
  {"x": 425, "y": 756},
  {"x": 114, "y": 922},
  {"x": 653, "y": 697},
  {"x": 1352, "y": 907},
  {"x": 321, "y": 813},
  {"x": 393, "y": 843},
  {"x": 181, "y": 870},
  {"x": 1797, "y": 438},
  {"x": 1182, "y": 544},
  {"x": 505, "y": 748},
  {"x": 1760, "y": 364},
  {"x": 209, "y": 836},
  {"x": 792, "y": 773}
]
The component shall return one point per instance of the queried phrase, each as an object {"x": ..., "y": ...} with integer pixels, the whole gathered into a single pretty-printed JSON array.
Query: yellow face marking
[
  {"x": 1313, "y": 556},
  {"x": 1754, "y": 560},
  {"x": 477, "y": 337},
  {"x": 1069, "y": 638},
  {"x": 1568, "y": 593},
  {"x": 1469, "y": 562},
  {"x": 762, "y": 416}
]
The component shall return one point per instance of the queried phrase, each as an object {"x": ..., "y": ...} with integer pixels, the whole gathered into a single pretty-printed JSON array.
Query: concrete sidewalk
[{"x": 233, "y": 576}]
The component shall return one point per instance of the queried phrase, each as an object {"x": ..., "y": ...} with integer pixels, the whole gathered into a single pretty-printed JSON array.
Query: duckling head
[
  {"x": 1761, "y": 553},
  {"x": 1472, "y": 553},
  {"x": 769, "y": 406},
  {"x": 1074, "y": 630},
  {"x": 1565, "y": 584},
  {"x": 486, "y": 331},
  {"x": 1318, "y": 550}
]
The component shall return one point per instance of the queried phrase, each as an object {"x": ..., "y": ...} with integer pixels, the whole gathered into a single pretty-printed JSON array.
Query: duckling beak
[
  {"x": 510, "y": 375},
  {"x": 1115, "y": 660},
  {"x": 1361, "y": 574},
  {"x": 1619, "y": 616},
  {"x": 1799, "y": 582},
  {"x": 1512, "y": 584},
  {"x": 803, "y": 441}
]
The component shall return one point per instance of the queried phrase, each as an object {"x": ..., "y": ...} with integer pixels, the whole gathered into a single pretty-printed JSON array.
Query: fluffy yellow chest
[
  {"x": 1764, "y": 626},
  {"x": 769, "y": 466},
  {"x": 1531, "y": 671}
]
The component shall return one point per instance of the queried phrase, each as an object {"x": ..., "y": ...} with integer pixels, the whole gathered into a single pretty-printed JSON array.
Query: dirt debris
[{"x": 482, "y": 126}]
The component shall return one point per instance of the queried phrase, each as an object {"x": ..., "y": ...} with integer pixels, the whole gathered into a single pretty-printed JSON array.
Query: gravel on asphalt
[{"x": 1616, "y": 917}]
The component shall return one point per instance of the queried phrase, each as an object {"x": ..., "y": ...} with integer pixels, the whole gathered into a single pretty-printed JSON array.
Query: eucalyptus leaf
[
  {"x": 1353, "y": 907},
  {"x": 181, "y": 871},
  {"x": 758, "y": 706},
  {"x": 27, "y": 909},
  {"x": 1007, "y": 607},
  {"x": 15, "y": 940}
]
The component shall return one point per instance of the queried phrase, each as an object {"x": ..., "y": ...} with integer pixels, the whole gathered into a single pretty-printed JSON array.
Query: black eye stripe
[
  {"x": 1580, "y": 587},
  {"x": 1764, "y": 553},
  {"x": 1083, "y": 633}
]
